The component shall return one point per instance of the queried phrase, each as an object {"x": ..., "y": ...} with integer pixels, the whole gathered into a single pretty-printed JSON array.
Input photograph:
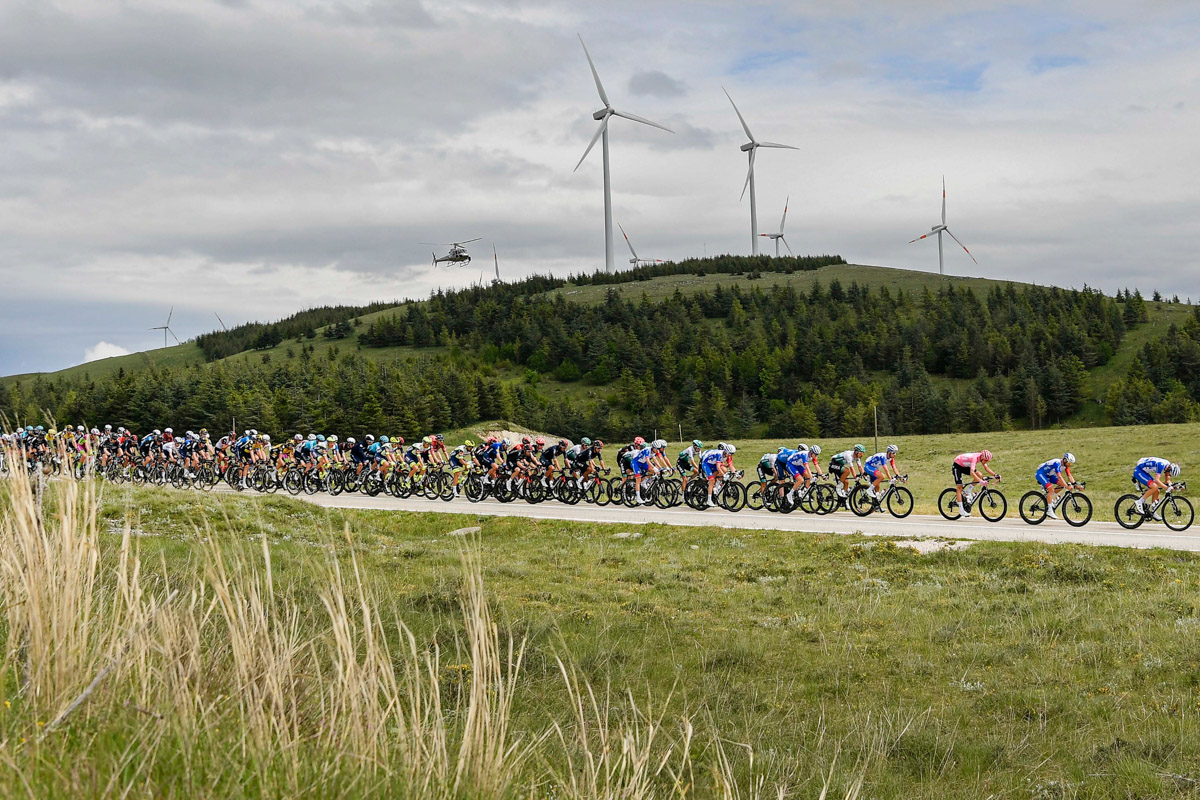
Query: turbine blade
[
  {"x": 782, "y": 221},
  {"x": 173, "y": 336},
  {"x": 785, "y": 244},
  {"x": 626, "y": 235},
  {"x": 919, "y": 238},
  {"x": 742, "y": 119},
  {"x": 642, "y": 120},
  {"x": 596, "y": 75},
  {"x": 592, "y": 143},
  {"x": 944, "y": 200},
  {"x": 776, "y": 144},
  {"x": 960, "y": 244},
  {"x": 170, "y": 314},
  {"x": 748, "y": 174}
]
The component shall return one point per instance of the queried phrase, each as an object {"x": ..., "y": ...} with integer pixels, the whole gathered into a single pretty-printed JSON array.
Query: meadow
[{"x": 259, "y": 647}]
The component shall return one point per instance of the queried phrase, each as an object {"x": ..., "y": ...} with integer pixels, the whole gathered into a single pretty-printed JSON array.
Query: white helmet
[
  {"x": 266, "y": 437},
  {"x": 892, "y": 450},
  {"x": 728, "y": 448},
  {"x": 108, "y": 427},
  {"x": 802, "y": 447},
  {"x": 1069, "y": 458},
  {"x": 95, "y": 432},
  {"x": 331, "y": 437},
  {"x": 815, "y": 450},
  {"x": 350, "y": 440},
  {"x": 299, "y": 437},
  {"x": 312, "y": 437},
  {"x": 79, "y": 428},
  {"x": 157, "y": 432},
  {"x": 1175, "y": 469},
  {"x": 370, "y": 437},
  {"x": 659, "y": 444},
  {"x": 168, "y": 430}
]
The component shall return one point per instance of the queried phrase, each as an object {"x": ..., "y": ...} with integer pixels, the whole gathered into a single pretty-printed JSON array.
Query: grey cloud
[{"x": 656, "y": 83}]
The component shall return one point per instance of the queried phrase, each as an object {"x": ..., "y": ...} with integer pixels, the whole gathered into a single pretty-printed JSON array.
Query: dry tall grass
[{"x": 122, "y": 680}]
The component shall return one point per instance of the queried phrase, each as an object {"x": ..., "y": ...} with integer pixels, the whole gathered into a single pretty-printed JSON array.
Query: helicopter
[{"x": 457, "y": 255}]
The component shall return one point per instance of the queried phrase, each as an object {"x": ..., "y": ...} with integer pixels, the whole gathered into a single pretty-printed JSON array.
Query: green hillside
[{"x": 720, "y": 346}]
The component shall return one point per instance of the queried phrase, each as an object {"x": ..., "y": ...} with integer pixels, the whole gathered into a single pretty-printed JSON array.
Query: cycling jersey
[
  {"x": 639, "y": 461},
  {"x": 551, "y": 454},
  {"x": 969, "y": 460},
  {"x": 709, "y": 460},
  {"x": 876, "y": 462},
  {"x": 1149, "y": 468},
  {"x": 358, "y": 453},
  {"x": 842, "y": 461}
]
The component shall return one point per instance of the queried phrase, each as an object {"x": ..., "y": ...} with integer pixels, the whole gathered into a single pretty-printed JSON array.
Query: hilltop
[{"x": 723, "y": 345}]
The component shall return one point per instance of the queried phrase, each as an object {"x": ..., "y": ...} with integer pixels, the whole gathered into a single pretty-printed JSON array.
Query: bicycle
[
  {"x": 991, "y": 503},
  {"x": 898, "y": 499},
  {"x": 1177, "y": 512},
  {"x": 1073, "y": 505}
]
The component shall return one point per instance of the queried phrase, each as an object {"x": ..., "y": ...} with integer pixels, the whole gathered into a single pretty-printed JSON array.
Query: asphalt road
[{"x": 915, "y": 526}]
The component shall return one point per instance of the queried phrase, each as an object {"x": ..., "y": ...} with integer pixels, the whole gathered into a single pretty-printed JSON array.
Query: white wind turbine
[
  {"x": 750, "y": 147},
  {"x": 167, "y": 328},
  {"x": 603, "y": 116},
  {"x": 636, "y": 261},
  {"x": 939, "y": 229},
  {"x": 778, "y": 237}
]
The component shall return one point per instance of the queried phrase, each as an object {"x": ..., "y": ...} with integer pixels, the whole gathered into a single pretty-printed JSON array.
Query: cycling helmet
[
  {"x": 525, "y": 440},
  {"x": 1175, "y": 469},
  {"x": 639, "y": 441},
  {"x": 892, "y": 450},
  {"x": 266, "y": 437},
  {"x": 659, "y": 444},
  {"x": 586, "y": 442},
  {"x": 469, "y": 443},
  {"x": 320, "y": 437},
  {"x": 440, "y": 437},
  {"x": 157, "y": 432},
  {"x": 490, "y": 440},
  {"x": 1069, "y": 458},
  {"x": 427, "y": 440},
  {"x": 332, "y": 437},
  {"x": 79, "y": 428},
  {"x": 597, "y": 445},
  {"x": 299, "y": 437},
  {"x": 728, "y": 448},
  {"x": 370, "y": 437},
  {"x": 350, "y": 440},
  {"x": 253, "y": 432},
  {"x": 540, "y": 441},
  {"x": 802, "y": 447},
  {"x": 312, "y": 437},
  {"x": 41, "y": 429},
  {"x": 815, "y": 449},
  {"x": 985, "y": 455},
  {"x": 168, "y": 430},
  {"x": 506, "y": 442},
  {"x": 564, "y": 443},
  {"x": 383, "y": 440},
  {"x": 397, "y": 440},
  {"x": 696, "y": 443},
  {"x": 95, "y": 431},
  {"x": 858, "y": 448},
  {"x": 462, "y": 448},
  {"x": 109, "y": 427}
]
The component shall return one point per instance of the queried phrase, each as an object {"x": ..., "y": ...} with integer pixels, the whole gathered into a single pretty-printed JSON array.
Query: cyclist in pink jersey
[{"x": 967, "y": 465}]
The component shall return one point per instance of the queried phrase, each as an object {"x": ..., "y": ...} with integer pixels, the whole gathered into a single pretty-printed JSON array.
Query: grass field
[{"x": 1001, "y": 670}]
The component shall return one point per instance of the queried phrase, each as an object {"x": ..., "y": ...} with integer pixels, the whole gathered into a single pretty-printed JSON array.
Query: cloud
[
  {"x": 103, "y": 350},
  {"x": 656, "y": 83}
]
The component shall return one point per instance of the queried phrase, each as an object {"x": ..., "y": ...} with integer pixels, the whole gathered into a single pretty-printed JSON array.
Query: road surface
[{"x": 915, "y": 526}]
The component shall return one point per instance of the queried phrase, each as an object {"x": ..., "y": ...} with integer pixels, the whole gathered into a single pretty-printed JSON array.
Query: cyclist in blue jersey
[
  {"x": 880, "y": 467},
  {"x": 799, "y": 467},
  {"x": 649, "y": 460},
  {"x": 1050, "y": 475},
  {"x": 714, "y": 464},
  {"x": 1153, "y": 475}
]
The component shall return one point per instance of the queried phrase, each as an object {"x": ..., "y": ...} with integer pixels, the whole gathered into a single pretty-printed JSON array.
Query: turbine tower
[
  {"x": 167, "y": 328},
  {"x": 939, "y": 229},
  {"x": 636, "y": 261},
  {"x": 750, "y": 147},
  {"x": 778, "y": 237},
  {"x": 603, "y": 116}
]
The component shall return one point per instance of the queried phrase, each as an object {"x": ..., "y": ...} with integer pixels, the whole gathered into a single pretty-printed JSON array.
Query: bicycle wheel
[
  {"x": 755, "y": 496},
  {"x": 992, "y": 505},
  {"x": 475, "y": 490},
  {"x": 1076, "y": 509},
  {"x": 900, "y": 502},
  {"x": 948, "y": 504},
  {"x": 1177, "y": 513},
  {"x": 1032, "y": 507},
  {"x": 860, "y": 502},
  {"x": 1125, "y": 510}
]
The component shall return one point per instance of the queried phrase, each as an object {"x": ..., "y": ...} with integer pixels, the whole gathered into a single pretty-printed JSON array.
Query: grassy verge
[{"x": 1003, "y": 670}]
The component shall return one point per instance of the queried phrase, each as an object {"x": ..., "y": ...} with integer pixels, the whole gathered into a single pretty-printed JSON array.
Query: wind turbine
[
  {"x": 496, "y": 259},
  {"x": 750, "y": 147},
  {"x": 778, "y": 237},
  {"x": 167, "y": 328},
  {"x": 635, "y": 260},
  {"x": 939, "y": 229},
  {"x": 603, "y": 116},
  {"x": 218, "y": 316}
]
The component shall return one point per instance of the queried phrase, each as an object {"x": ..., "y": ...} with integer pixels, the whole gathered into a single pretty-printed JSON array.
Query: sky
[{"x": 250, "y": 158}]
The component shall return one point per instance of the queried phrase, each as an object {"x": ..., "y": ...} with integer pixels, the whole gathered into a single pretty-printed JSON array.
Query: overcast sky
[{"x": 254, "y": 157}]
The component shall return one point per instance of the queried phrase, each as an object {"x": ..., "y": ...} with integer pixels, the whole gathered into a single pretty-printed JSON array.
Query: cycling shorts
[
  {"x": 961, "y": 474},
  {"x": 639, "y": 466},
  {"x": 1046, "y": 479},
  {"x": 1143, "y": 477}
]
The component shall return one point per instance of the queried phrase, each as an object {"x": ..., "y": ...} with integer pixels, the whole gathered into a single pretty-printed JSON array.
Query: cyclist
[
  {"x": 846, "y": 465},
  {"x": 967, "y": 465},
  {"x": 549, "y": 459},
  {"x": 714, "y": 464},
  {"x": 1050, "y": 475},
  {"x": 461, "y": 458},
  {"x": 766, "y": 465},
  {"x": 688, "y": 462},
  {"x": 1152, "y": 475},
  {"x": 625, "y": 458},
  {"x": 796, "y": 466},
  {"x": 879, "y": 467}
]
